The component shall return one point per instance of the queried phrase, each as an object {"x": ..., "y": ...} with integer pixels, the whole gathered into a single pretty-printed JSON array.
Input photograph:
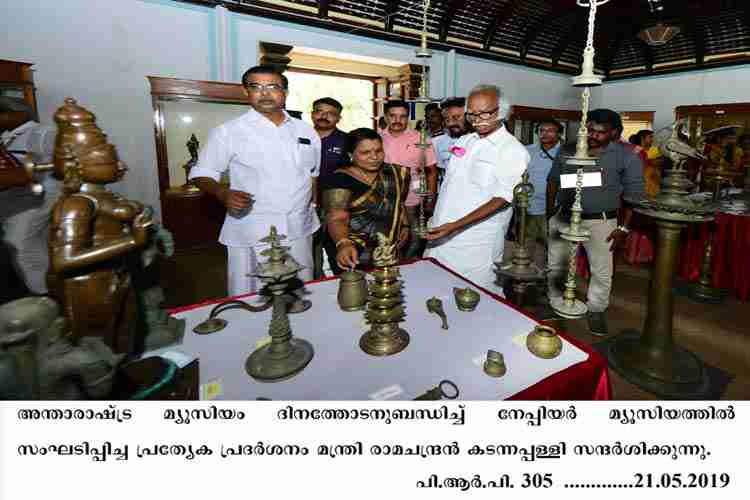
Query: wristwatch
[{"x": 624, "y": 229}]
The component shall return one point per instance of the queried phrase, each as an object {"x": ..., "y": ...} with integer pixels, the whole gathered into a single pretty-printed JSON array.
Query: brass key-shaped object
[
  {"x": 435, "y": 306},
  {"x": 437, "y": 393}
]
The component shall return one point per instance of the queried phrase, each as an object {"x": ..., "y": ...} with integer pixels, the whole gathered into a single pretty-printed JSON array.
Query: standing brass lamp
[
  {"x": 423, "y": 191},
  {"x": 521, "y": 269},
  {"x": 385, "y": 308},
  {"x": 284, "y": 356},
  {"x": 653, "y": 361},
  {"x": 703, "y": 290}
]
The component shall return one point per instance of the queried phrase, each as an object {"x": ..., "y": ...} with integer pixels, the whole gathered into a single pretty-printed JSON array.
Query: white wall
[
  {"x": 524, "y": 86},
  {"x": 664, "y": 93},
  {"x": 100, "y": 52}
]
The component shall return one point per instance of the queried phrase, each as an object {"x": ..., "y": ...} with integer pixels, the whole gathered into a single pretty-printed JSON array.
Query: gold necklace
[{"x": 363, "y": 173}]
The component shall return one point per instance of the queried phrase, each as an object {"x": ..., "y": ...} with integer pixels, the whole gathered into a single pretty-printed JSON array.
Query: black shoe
[{"x": 598, "y": 323}]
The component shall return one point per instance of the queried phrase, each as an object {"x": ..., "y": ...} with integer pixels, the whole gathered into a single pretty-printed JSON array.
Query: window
[{"x": 355, "y": 95}]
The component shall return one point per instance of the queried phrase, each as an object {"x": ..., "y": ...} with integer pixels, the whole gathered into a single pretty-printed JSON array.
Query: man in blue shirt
[{"x": 542, "y": 155}]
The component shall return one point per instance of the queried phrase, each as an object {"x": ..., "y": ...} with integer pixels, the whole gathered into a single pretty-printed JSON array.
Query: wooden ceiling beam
[
  {"x": 323, "y": 8},
  {"x": 612, "y": 51},
  {"x": 390, "y": 11},
  {"x": 501, "y": 16},
  {"x": 648, "y": 55},
  {"x": 575, "y": 29},
  {"x": 533, "y": 32},
  {"x": 451, "y": 9}
]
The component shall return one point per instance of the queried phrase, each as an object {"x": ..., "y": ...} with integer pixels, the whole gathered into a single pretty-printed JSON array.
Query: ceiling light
[{"x": 658, "y": 35}]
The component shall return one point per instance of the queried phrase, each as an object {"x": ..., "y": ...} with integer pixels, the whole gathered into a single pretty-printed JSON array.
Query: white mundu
[
  {"x": 488, "y": 168},
  {"x": 276, "y": 165}
]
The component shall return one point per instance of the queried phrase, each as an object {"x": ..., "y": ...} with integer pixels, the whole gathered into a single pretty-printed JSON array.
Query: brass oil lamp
[
  {"x": 521, "y": 269},
  {"x": 285, "y": 356},
  {"x": 653, "y": 361},
  {"x": 385, "y": 308},
  {"x": 569, "y": 306}
]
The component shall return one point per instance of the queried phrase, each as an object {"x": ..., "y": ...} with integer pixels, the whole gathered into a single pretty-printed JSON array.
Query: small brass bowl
[
  {"x": 466, "y": 299},
  {"x": 494, "y": 366},
  {"x": 544, "y": 342}
]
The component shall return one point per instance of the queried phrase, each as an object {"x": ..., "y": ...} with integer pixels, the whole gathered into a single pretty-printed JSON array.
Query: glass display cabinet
[
  {"x": 184, "y": 113},
  {"x": 524, "y": 119},
  {"x": 17, "y": 84}
]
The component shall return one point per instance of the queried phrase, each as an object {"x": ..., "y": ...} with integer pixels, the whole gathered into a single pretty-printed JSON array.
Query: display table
[
  {"x": 341, "y": 371},
  {"x": 731, "y": 247}
]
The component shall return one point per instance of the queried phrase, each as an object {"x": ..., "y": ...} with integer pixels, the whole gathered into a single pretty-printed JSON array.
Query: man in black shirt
[{"x": 326, "y": 114}]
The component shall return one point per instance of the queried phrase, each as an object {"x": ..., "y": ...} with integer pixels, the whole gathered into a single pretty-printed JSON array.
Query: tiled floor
[{"x": 719, "y": 334}]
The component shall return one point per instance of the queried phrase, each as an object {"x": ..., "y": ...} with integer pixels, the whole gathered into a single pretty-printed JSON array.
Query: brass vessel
[
  {"x": 466, "y": 299},
  {"x": 544, "y": 342},
  {"x": 385, "y": 309},
  {"x": 494, "y": 365},
  {"x": 352, "y": 294}
]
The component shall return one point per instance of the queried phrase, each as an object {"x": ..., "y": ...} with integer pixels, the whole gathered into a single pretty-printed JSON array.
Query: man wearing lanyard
[
  {"x": 326, "y": 114},
  {"x": 400, "y": 145},
  {"x": 622, "y": 173},
  {"x": 454, "y": 118},
  {"x": 473, "y": 208},
  {"x": 541, "y": 157},
  {"x": 273, "y": 162}
]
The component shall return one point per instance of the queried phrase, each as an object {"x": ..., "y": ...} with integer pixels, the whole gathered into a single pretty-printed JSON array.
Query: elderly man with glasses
[
  {"x": 273, "y": 162},
  {"x": 474, "y": 204}
]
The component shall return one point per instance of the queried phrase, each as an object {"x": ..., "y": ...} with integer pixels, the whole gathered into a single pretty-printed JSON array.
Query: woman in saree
[{"x": 363, "y": 199}]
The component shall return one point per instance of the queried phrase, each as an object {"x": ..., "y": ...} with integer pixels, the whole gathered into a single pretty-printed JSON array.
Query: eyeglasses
[
  {"x": 271, "y": 87},
  {"x": 482, "y": 115}
]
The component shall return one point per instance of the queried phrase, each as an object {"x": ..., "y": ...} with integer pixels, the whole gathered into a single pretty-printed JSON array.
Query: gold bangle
[{"x": 342, "y": 241}]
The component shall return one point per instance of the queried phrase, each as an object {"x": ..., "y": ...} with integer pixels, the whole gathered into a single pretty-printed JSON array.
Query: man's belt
[{"x": 608, "y": 214}]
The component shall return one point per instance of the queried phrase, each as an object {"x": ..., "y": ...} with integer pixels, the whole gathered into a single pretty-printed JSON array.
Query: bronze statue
[
  {"x": 38, "y": 362},
  {"x": 94, "y": 234},
  {"x": 158, "y": 327},
  {"x": 193, "y": 145}
]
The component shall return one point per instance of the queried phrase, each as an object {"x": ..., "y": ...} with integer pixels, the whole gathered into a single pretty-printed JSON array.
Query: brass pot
[
  {"x": 466, "y": 299},
  {"x": 385, "y": 289},
  {"x": 352, "y": 291},
  {"x": 544, "y": 342}
]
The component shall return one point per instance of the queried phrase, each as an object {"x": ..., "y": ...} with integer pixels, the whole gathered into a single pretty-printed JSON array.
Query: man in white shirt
[
  {"x": 474, "y": 204},
  {"x": 273, "y": 162}
]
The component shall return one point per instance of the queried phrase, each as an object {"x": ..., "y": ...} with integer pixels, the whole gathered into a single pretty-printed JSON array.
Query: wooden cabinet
[{"x": 183, "y": 108}]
